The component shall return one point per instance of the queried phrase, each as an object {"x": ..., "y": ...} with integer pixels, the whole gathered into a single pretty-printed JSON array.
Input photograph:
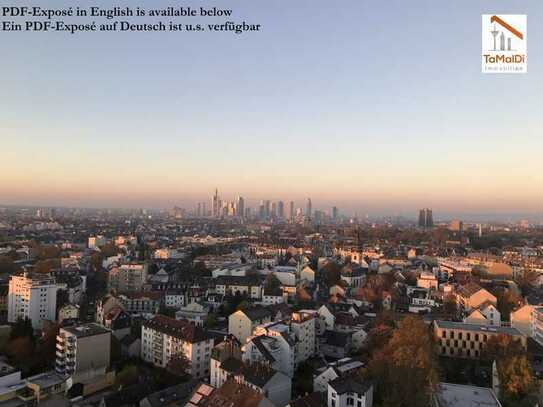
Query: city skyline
[{"x": 320, "y": 113}]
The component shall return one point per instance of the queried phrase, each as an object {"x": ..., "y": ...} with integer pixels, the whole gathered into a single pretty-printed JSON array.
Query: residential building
[
  {"x": 457, "y": 339},
  {"x": 272, "y": 346},
  {"x": 537, "y": 324},
  {"x": 178, "y": 395},
  {"x": 231, "y": 393},
  {"x": 522, "y": 319},
  {"x": 341, "y": 368},
  {"x": 486, "y": 314},
  {"x": 229, "y": 348},
  {"x": 248, "y": 285},
  {"x": 162, "y": 338},
  {"x": 68, "y": 312},
  {"x": 95, "y": 242},
  {"x": 462, "y": 395},
  {"x": 350, "y": 391},
  {"x": 174, "y": 299},
  {"x": 127, "y": 277},
  {"x": 83, "y": 351},
  {"x": 302, "y": 325},
  {"x": 32, "y": 296},
  {"x": 242, "y": 323},
  {"x": 276, "y": 386},
  {"x": 472, "y": 296},
  {"x": 118, "y": 321},
  {"x": 194, "y": 313},
  {"x": 427, "y": 280},
  {"x": 144, "y": 302}
]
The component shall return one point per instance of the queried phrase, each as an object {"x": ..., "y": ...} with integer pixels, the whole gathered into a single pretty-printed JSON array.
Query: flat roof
[
  {"x": 478, "y": 328},
  {"x": 86, "y": 330},
  {"x": 461, "y": 395}
]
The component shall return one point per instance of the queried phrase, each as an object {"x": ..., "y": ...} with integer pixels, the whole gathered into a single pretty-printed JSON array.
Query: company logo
[{"x": 504, "y": 43}]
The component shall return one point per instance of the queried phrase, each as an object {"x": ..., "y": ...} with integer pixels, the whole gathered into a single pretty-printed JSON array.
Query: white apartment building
[
  {"x": 341, "y": 368},
  {"x": 427, "y": 280},
  {"x": 242, "y": 323},
  {"x": 83, "y": 351},
  {"x": 302, "y": 325},
  {"x": 230, "y": 285},
  {"x": 162, "y": 338},
  {"x": 537, "y": 324},
  {"x": 349, "y": 392},
  {"x": 96, "y": 241},
  {"x": 274, "y": 345},
  {"x": 174, "y": 299},
  {"x": 32, "y": 296},
  {"x": 128, "y": 277},
  {"x": 194, "y": 313}
]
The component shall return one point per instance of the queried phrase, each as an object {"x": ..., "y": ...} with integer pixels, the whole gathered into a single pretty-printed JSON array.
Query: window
[{"x": 350, "y": 401}]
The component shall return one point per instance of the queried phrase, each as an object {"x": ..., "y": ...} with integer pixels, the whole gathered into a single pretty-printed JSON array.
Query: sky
[{"x": 376, "y": 107}]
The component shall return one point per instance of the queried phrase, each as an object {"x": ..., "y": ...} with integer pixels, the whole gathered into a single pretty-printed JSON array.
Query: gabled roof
[
  {"x": 350, "y": 384},
  {"x": 233, "y": 394},
  {"x": 257, "y": 313},
  {"x": 179, "y": 329},
  {"x": 469, "y": 289}
]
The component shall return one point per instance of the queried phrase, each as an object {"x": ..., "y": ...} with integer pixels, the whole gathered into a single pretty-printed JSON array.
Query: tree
[
  {"x": 7, "y": 265},
  {"x": 243, "y": 305},
  {"x": 514, "y": 370},
  {"x": 46, "y": 347},
  {"x": 46, "y": 252},
  {"x": 332, "y": 273},
  {"x": 127, "y": 376},
  {"x": 46, "y": 266},
  {"x": 499, "y": 346},
  {"x": 22, "y": 329},
  {"x": 211, "y": 321},
  {"x": 116, "y": 349},
  {"x": 378, "y": 337},
  {"x": 450, "y": 307},
  {"x": 405, "y": 363},
  {"x": 201, "y": 269},
  {"x": 527, "y": 280},
  {"x": 109, "y": 250},
  {"x": 21, "y": 352},
  {"x": 507, "y": 302},
  {"x": 272, "y": 283},
  {"x": 515, "y": 373},
  {"x": 303, "y": 379}
]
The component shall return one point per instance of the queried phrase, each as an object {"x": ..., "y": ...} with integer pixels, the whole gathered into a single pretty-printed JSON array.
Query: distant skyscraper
[
  {"x": 425, "y": 218},
  {"x": 215, "y": 204},
  {"x": 267, "y": 209},
  {"x": 280, "y": 210},
  {"x": 240, "y": 207},
  {"x": 262, "y": 211},
  {"x": 291, "y": 210},
  {"x": 274, "y": 210},
  {"x": 308, "y": 208},
  {"x": 335, "y": 213}
]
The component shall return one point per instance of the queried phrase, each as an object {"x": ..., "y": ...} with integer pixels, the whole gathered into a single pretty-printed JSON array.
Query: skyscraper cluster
[
  {"x": 426, "y": 219},
  {"x": 266, "y": 210},
  {"x": 221, "y": 208}
]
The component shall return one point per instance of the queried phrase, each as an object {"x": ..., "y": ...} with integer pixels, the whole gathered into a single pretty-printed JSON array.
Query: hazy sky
[{"x": 374, "y": 106}]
